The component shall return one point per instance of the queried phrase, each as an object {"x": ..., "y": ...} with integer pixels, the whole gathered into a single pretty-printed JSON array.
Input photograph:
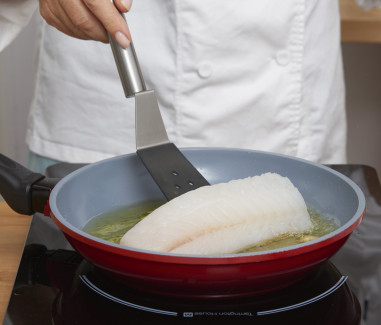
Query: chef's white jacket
[{"x": 263, "y": 75}]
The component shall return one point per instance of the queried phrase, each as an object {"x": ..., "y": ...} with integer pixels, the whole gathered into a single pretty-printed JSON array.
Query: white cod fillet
[{"x": 223, "y": 218}]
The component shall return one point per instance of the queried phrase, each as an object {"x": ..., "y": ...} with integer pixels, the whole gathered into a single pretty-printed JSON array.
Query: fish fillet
[{"x": 223, "y": 218}]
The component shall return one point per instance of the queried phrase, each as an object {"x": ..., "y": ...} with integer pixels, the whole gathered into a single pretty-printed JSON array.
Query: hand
[{"x": 88, "y": 19}]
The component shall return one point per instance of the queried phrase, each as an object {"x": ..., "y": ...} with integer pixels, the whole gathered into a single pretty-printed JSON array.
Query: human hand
[{"x": 88, "y": 19}]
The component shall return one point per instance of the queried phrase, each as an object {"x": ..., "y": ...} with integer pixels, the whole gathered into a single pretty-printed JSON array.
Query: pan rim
[{"x": 343, "y": 231}]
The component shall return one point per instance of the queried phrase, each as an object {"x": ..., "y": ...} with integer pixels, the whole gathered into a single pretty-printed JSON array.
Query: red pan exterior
[
  {"x": 78, "y": 197},
  {"x": 206, "y": 277}
]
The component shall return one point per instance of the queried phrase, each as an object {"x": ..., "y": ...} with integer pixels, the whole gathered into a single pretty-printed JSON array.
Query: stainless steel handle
[
  {"x": 128, "y": 67},
  {"x": 150, "y": 130}
]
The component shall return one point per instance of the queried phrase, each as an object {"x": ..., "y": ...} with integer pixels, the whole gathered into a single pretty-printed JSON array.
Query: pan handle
[
  {"x": 25, "y": 191},
  {"x": 128, "y": 67}
]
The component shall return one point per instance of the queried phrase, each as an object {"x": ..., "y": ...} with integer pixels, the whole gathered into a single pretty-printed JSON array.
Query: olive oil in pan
[
  {"x": 111, "y": 226},
  {"x": 321, "y": 226}
]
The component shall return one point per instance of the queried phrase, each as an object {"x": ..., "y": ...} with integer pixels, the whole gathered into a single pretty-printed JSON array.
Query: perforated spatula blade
[
  {"x": 170, "y": 169},
  {"x": 173, "y": 173}
]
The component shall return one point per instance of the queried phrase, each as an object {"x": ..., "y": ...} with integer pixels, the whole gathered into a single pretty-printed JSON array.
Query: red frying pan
[{"x": 123, "y": 181}]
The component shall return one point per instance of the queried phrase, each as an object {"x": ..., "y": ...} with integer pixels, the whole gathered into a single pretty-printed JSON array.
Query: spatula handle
[{"x": 128, "y": 67}]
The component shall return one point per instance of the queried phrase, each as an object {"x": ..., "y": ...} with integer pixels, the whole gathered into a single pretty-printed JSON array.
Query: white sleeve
[{"x": 14, "y": 16}]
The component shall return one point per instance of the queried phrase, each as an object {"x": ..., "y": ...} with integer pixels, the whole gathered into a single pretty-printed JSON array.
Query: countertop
[{"x": 13, "y": 232}]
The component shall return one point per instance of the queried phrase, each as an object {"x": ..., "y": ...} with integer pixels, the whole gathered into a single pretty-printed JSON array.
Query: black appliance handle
[{"x": 25, "y": 191}]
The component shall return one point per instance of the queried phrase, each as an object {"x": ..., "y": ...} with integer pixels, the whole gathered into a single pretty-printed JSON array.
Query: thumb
[{"x": 109, "y": 16}]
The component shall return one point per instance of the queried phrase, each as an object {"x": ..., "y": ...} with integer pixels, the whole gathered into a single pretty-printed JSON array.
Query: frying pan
[{"x": 123, "y": 181}]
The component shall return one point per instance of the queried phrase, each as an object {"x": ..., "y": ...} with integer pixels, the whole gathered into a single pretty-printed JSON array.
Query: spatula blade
[
  {"x": 170, "y": 169},
  {"x": 172, "y": 172}
]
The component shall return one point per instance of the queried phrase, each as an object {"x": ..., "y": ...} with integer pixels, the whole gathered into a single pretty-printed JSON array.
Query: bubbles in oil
[
  {"x": 321, "y": 226},
  {"x": 113, "y": 225}
]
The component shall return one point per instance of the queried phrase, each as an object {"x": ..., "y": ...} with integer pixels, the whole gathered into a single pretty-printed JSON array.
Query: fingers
[
  {"x": 83, "y": 21},
  {"x": 55, "y": 16},
  {"x": 111, "y": 19},
  {"x": 88, "y": 19},
  {"x": 123, "y": 5}
]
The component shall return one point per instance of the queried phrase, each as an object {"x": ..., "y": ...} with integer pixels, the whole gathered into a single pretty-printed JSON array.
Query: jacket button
[
  {"x": 282, "y": 57},
  {"x": 205, "y": 70}
]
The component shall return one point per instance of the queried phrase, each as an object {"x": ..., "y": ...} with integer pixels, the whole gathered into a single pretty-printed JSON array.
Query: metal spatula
[{"x": 173, "y": 173}]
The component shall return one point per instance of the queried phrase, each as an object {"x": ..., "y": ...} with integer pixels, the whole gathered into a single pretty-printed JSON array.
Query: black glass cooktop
[{"x": 54, "y": 285}]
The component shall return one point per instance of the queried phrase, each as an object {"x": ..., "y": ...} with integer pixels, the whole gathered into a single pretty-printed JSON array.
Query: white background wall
[{"x": 362, "y": 64}]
